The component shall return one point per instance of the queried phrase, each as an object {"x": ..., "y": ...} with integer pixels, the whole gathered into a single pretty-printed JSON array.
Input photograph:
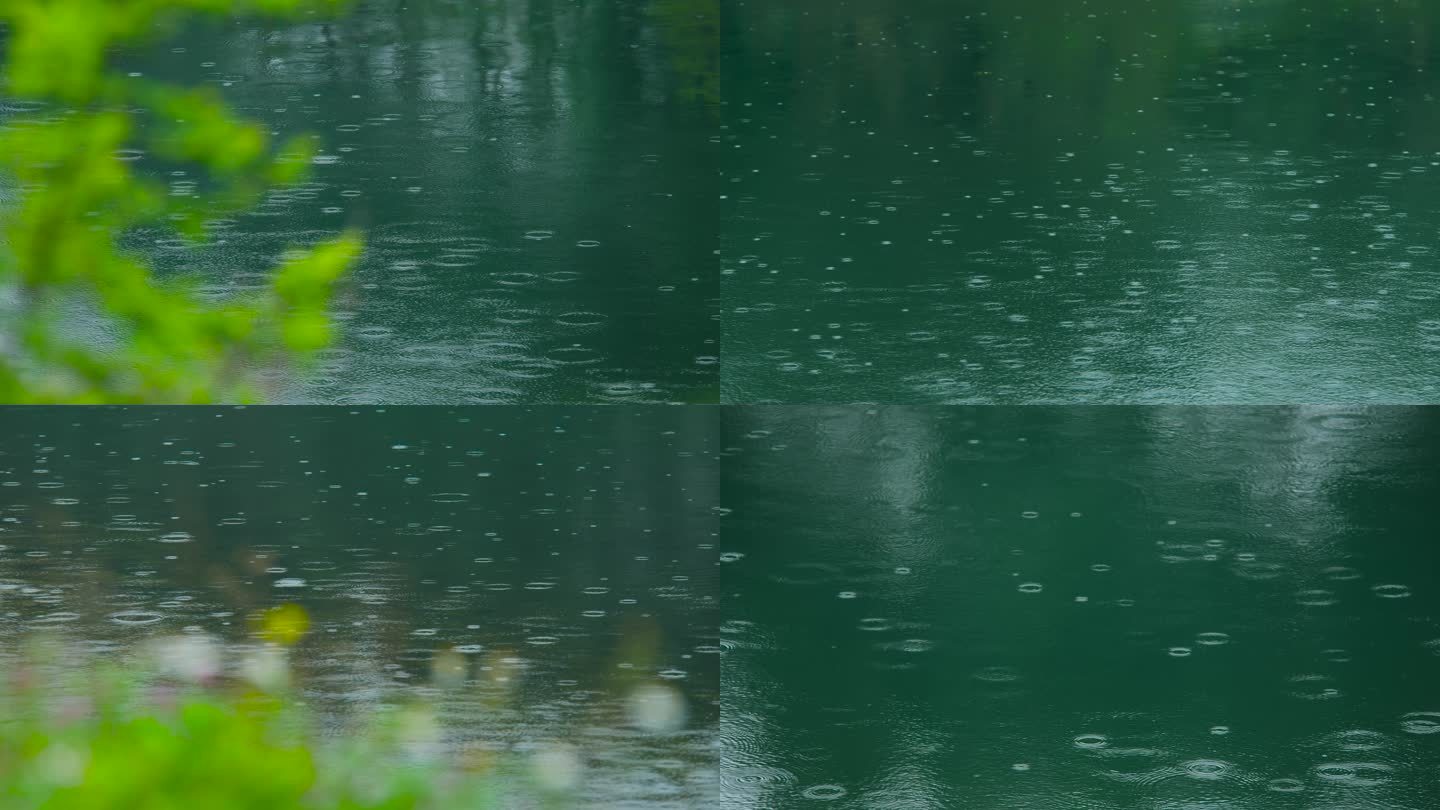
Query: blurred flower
[
  {"x": 557, "y": 767},
  {"x": 419, "y": 731},
  {"x": 268, "y": 668},
  {"x": 193, "y": 659},
  {"x": 61, "y": 764},
  {"x": 284, "y": 624},
  {"x": 656, "y": 708},
  {"x": 448, "y": 668}
]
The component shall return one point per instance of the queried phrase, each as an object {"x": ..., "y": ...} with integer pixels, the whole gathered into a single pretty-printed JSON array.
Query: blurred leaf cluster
[
  {"x": 171, "y": 732},
  {"x": 71, "y": 162}
]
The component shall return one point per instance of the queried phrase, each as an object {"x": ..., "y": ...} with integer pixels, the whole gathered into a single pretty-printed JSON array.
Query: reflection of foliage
[
  {"x": 691, "y": 30},
  {"x": 79, "y": 195},
  {"x": 1022, "y": 63}
]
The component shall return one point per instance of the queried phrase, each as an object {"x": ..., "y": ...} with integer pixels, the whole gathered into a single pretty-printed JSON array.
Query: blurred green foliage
[
  {"x": 171, "y": 732},
  {"x": 207, "y": 750},
  {"x": 78, "y": 195}
]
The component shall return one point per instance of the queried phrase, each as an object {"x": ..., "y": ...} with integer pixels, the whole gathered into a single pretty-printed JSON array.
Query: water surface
[
  {"x": 534, "y": 179},
  {"x": 566, "y": 554},
  {"x": 1081, "y": 608},
  {"x": 1003, "y": 201}
]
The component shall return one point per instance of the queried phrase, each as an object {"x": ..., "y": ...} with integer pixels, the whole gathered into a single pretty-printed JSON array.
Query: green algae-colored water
[
  {"x": 1081, "y": 608},
  {"x": 535, "y": 180},
  {"x": 1058, "y": 201}
]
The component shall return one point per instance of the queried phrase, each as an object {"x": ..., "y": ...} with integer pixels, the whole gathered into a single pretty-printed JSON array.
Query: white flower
[
  {"x": 61, "y": 764},
  {"x": 195, "y": 659},
  {"x": 557, "y": 767},
  {"x": 268, "y": 668},
  {"x": 656, "y": 708}
]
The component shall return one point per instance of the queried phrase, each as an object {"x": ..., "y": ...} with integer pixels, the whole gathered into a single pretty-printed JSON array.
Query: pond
[
  {"x": 534, "y": 180},
  {"x": 1054, "y": 201},
  {"x": 568, "y": 555},
  {"x": 1081, "y": 608}
]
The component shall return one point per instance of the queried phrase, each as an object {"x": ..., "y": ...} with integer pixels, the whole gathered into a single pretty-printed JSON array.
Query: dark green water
[
  {"x": 1081, "y": 608},
  {"x": 1003, "y": 201},
  {"x": 567, "y": 553},
  {"x": 535, "y": 178}
]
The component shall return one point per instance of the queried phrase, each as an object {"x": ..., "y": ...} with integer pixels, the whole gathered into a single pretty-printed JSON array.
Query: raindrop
[
  {"x": 135, "y": 617},
  {"x": 824, "y": 793},
  {"x": 1421, "y": 723}
]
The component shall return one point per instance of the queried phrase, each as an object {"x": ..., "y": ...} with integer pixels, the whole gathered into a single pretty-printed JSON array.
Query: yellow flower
[{"x": 284, "y": 624}]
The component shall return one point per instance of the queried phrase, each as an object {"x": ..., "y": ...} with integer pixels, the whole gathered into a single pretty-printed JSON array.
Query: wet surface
[
  {"x": 565, "y": 557},
  {"x": 1081, "y": 608},
  {"x": 534, "y": 180},
  {"x": 991, "y": 201}
]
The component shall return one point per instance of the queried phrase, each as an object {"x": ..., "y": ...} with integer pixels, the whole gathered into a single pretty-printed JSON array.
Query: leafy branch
[{"x": 78, "y": 195}]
